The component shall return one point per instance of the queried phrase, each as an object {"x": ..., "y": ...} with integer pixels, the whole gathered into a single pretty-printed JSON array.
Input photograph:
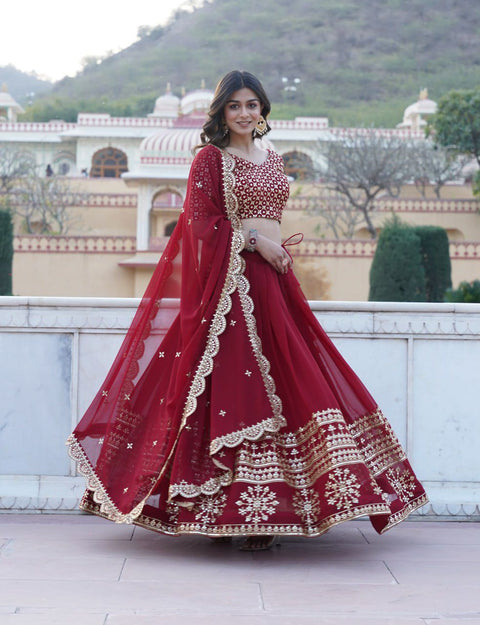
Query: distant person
[
  {"x": 49, "y": 171},
  {"x": 243, "y": 420}
]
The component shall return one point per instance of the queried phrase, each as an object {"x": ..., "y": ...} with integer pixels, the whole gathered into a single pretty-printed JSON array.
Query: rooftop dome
[
  {"x": 198, "y": 100},
  {"x": 166, "y": 105},
  {"x": 9, "y": 108},
  {"x": 413, "y": 117},
  {"x": 170, "y": 147}
]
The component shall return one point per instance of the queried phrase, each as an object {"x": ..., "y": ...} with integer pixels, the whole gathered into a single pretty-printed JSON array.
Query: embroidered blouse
[{"x": 261, "y": 190}]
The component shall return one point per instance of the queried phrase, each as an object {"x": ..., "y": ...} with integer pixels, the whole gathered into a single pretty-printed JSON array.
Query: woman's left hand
[{"x": 274, "y": 254}]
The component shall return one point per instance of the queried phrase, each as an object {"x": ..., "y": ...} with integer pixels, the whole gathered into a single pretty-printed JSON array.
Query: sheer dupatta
[
  {"x": 146, "y": 421},
  {"x": 127, "y": 435}
]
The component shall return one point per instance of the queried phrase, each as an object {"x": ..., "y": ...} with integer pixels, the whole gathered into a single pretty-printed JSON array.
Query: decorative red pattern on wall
[
  {"x": 84, "y": 119},
  {"x": 339, "y": 248},
  {"x": 303, "y": 203},
  {"x": 165, "y": 160},
  {"x": 299, "y": 124},
  {"x": 111, "y": 200},
  {"x": 107, "y": 200},
  {"x": 355, "y": 248},
  {"x": 36, "y": 126},
  {"x": 74, "y": 244}
]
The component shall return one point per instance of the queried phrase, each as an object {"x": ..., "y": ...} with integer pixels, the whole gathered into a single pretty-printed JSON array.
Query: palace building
[{"x": 132, "y": 174}]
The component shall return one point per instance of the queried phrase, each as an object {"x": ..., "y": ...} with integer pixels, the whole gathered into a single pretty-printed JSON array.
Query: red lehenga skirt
[{"x": 335, "y": 457}]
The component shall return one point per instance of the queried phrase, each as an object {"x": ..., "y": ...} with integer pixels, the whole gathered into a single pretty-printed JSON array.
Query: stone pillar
[{"x": 144, "y": 204}]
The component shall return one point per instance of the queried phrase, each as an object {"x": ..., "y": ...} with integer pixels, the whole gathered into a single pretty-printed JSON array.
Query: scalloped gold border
[
  {"x": 272, "y": 424},
  {"x": 94, "y": 483},
  {"x": 234, "y": 281}
]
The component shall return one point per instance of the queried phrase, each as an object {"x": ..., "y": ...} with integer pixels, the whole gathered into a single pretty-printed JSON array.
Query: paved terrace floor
[{"x": 82, "y": 570}]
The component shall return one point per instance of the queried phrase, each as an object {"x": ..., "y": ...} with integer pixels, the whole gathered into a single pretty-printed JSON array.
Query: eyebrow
[{"x": 251, "y": 100}]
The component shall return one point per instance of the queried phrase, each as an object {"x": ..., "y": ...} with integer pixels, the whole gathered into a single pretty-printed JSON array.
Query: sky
[{"x": 51, "y": 38}]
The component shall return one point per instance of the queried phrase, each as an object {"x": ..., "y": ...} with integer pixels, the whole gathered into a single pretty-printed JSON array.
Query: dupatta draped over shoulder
[
  {"x": 147, "y": 408},
  {"x": 228, "y": 410}
]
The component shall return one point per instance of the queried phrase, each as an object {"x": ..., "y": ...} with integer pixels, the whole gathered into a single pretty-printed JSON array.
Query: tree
[
  {"x": 468, "y": 292},
  {"x": 45, "y": 203},
  {"x": 436, "y": 261},
  {"x": 6, "y": 252},
  {"x": 14, "y": 164},
  {"x": 436, "y": 165},
  {"x": 397, "y": 273},
  {"x": 476, "y": 183},
  {"x": 410, "y": 264},
  {"x": 336, "y": 215},
  {"x": 364, "y": 164},
  {"x": 456, "y": 124}
]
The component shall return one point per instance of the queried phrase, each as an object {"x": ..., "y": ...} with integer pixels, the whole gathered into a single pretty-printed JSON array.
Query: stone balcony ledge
[{"x": 420, "y": 361}]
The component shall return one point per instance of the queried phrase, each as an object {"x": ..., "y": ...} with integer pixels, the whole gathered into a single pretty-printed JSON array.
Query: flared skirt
[{"x": 292, "y": 446}]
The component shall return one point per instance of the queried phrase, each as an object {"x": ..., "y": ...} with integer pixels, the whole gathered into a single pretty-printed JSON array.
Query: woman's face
[{"x": 242, "y": 112}]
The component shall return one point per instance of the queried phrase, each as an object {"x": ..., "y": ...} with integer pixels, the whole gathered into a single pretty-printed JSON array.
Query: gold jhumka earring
[{"x": 261, "y": 127}]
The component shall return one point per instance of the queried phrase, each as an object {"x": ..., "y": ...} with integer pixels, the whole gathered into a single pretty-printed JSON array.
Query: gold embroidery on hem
[
  {"x": 100, "y": 496},
  {"x": 249, "y": 529},
  {"x": 251, "y": 433},
  {"x": 379, "y": 452},
  {"x": 210, "y": 487},
  {"x": 299, "y": 458},
  {"x": 402, "y": 514},
  {"x": 311, "y": 531}
]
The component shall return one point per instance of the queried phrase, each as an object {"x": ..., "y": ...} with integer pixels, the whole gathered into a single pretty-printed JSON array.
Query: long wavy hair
[{"x": 213, "y": 130}]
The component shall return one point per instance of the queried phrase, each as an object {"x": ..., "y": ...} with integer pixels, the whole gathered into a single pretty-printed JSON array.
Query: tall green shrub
[
  {"x": 6, "y": 252},
  {"x": 436, "y": 261},
  {"x": 468, "y": 292},
  {"x": 397, "y": 273}
]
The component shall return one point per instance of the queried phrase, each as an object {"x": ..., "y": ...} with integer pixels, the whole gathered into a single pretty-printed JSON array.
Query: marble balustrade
[{"x": 420, "y": 361}]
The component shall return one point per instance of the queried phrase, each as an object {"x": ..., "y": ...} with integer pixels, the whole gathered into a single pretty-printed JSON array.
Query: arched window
[
  {"x": 63, "y": 168},
  {"x": 167, "y": 199},
  {"x": 169, "y": 228},
  {"x": 109, "y": 163},
  {"x": 298, "y": 166},
  {"x": 166, "y": 207},
  {"x": 63, "y": 162}
]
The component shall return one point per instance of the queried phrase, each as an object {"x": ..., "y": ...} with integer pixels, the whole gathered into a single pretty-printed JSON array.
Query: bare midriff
[{"x": 269, "y": 228}]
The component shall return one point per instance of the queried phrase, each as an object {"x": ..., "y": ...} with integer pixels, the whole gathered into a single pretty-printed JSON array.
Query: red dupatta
[{"x": 159, "y": 407}]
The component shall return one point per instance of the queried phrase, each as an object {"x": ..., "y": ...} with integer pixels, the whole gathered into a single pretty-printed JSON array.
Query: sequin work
[
  {"x": 243, "y": 419},
  {"x": 262, "y": 190}
]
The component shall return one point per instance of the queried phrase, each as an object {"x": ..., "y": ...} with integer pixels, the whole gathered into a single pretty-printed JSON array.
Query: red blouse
[{"x": 261, "y": 190}]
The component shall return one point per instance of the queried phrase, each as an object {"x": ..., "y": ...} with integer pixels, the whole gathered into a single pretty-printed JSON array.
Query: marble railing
[{"x": 420, "y": 362}]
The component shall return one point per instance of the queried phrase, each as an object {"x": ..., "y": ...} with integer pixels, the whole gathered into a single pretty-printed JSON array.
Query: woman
[{"x": 243, "y": 419}]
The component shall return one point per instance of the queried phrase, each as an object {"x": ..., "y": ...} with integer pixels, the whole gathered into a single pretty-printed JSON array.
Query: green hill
[
  {"x": 359, "y": 61},
  {"x": 21, "y": 86}
]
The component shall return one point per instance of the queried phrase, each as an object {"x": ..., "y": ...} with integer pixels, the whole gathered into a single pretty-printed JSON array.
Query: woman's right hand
[{"x": 273, "y": 253}]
